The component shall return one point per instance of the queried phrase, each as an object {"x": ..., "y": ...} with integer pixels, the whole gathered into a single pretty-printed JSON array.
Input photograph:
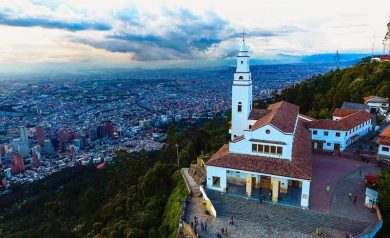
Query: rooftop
[
  {"x": 339, "y": 112},
  {"x": 299, "y": 167},
  {"x": 281, "y": 115},
  {"x": 344, "y": 124},
  {"x": 355, "y": 106},
  {"x": 384, "y": 137},
  {"x": 375, "y": 99}
]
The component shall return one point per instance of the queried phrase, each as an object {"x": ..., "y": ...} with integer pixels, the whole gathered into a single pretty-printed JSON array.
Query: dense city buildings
[{"x": 57, "y": 121}]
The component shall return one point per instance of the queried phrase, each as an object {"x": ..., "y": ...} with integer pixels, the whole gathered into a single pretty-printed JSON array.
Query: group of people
[
  {"x": 224, "y": 230},
  {"x": 184, "y": 208},
  {"x": 194, "y": 226}
]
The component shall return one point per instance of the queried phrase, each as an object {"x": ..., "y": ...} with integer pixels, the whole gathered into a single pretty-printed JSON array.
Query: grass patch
[{"x": 171, "y": 216}]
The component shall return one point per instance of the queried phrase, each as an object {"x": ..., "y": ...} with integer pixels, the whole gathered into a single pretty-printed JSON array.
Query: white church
[{"x": 269, "y": 154}]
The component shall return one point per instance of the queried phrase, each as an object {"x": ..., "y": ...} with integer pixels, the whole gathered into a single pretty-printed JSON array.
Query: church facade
[{"x": 269, "y": 153}]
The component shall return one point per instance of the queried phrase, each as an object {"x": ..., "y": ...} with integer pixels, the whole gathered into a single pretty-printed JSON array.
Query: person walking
[
  {"x": 205, "y": 227},
  {"x": 354, "y": 200},
  {"x": 201, "y": 226}
]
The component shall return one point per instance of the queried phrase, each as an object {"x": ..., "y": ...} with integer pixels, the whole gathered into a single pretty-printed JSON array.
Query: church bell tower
[{"x": 241, "y": 93}]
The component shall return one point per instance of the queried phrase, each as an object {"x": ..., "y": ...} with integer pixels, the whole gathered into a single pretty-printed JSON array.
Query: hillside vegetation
[
  {"x": 139, "y": 195},
  {"x": 321, "y": 94}
]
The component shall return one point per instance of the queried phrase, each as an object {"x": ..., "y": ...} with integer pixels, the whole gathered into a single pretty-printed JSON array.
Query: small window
[
  {"x": 260, "y": 148},
  {"x": 314, "y": 132},
  {"x": 328, "y": 144},
  {"x": 250, "y": 127},
  {"x": 326, "y": 133},
  {"x": 273, "y": 149},
  {"x": 239, "y": 107},
  {"x": 240, "y": 77},
  {"x": 267, "y": 131},
  {"x": 280, "y": 150},
  {"x": 266, "y": 149},
  {"x": 242, "y": 62},
  {"x": 338, "y": 134},
  {"x": 254, "y": 148},
  {"x": 385, "y": 149},
  {"x": 216, "y": 182}
]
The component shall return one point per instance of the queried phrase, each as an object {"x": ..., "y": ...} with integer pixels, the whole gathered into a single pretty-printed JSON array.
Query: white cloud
[{"x": 122, "y": 31}]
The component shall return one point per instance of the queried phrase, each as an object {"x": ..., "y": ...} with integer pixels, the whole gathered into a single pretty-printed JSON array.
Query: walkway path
[
  {"x": 280, "y": 217},
  {"x": 194, "y": 187},
  {"x": 355, "y": 183},
  {"x": 328, "y": 170},
  {"x": 253, "y": 219}
]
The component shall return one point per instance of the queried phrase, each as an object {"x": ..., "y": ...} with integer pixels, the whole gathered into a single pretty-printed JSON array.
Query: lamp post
[{"x": 177, "y": 154}]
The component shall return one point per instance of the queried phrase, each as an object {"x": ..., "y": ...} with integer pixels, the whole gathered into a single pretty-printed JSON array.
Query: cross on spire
[{"x": 243, "y": 34}]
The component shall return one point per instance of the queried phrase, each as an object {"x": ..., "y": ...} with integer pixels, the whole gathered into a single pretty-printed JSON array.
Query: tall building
[
  {"x": 40, "y": 136},
  {"x": 23, "y": 134},
  {"x": 35, "y": 160},
  {"x": 241, "y": 93},
  {"x": 63, "y": 138},
  {"x": 37, "y": 150},
  {"x": 270, "y": 149},
  {"x": 109, "y": 129},
  {"x": 92, "y": 134},
  {"x": 48, "y": 146},
  {"x": 17, "y": 165}
]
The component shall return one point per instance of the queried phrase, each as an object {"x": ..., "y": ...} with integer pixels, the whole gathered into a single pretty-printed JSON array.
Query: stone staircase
[
  {"x": 197, "y": 173},
  {"x": 281, "y": 217},
  {"x": 194, "y": 187}
]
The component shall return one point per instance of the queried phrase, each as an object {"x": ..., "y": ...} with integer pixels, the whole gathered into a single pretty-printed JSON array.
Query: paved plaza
[
  {"x": 329, "y": 210},
  {"x": 330, "y": 170}
]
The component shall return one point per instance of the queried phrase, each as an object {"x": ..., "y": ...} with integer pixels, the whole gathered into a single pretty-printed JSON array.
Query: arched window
[
  {"x": 240, "y": 77},
  {"x": 239, "y": 108}
]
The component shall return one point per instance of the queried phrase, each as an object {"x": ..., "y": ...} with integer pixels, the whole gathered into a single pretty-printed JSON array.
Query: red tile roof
[
  {"x": 299, "y": 167},
  {"x": 281, "y": 115},
  {"x": 377, "y": 99},
  {"x": 256, "y": 114},
  {"x": 307, "y": 118},
  {"x": 368, "y": 98},
  {"x": 384, "y": 137},
  {"x": 344, "y": 124},
  {"x": 338, "y": 112},
  {"x": 237, "y": 139}
]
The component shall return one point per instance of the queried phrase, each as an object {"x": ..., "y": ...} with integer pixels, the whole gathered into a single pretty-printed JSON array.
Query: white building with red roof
[
  {"x": 377, "y": 104},
  {"x": 269, "y": 154},
  {"x": 384, "y": 145},
  {"x": 337, "y": 134}
]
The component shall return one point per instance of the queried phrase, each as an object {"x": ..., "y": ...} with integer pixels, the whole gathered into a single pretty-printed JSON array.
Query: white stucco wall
[
  {"x": 343, "y": 140},
  {"x": 218, "y": 172},
  {"x": 222, "y": 173},
  {"x": 245, "y": 146},
  {"x": 381, "y": 152},
  {"x": 330, "y": 138},
  {"x": 305, "y": 196},
  {"x": 243, "y": 94}
]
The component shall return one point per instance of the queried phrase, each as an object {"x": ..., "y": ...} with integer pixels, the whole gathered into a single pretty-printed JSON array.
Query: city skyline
[{"x": 90, "y": 34}]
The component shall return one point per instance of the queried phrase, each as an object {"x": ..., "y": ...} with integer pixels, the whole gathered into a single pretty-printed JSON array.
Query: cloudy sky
[{"x": 133, "y": 33}]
